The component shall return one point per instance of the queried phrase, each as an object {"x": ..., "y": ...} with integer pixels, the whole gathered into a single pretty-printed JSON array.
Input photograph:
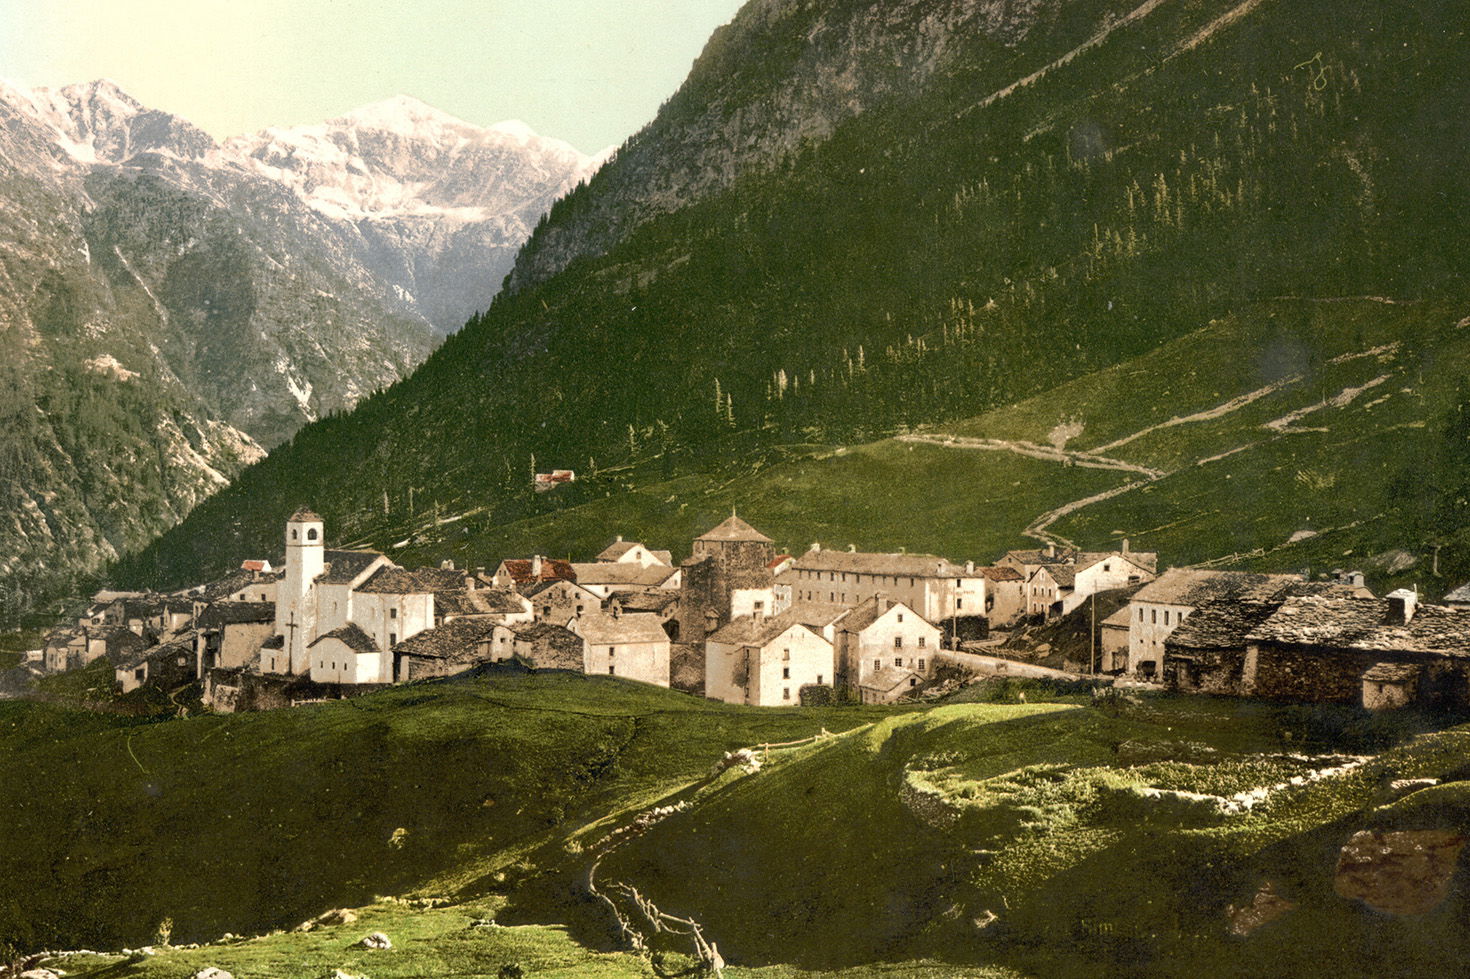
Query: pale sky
[{"x": 587, "y": 71}]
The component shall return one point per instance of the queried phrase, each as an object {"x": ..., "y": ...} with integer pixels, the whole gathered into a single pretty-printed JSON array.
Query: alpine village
[{"x": 971, "y": 488}]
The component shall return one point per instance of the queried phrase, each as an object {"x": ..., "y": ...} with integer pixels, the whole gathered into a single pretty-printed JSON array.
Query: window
[
  {"x": 1154, "y": 615},
  {"x": 923, "y": 641},
  {"x": 819, "y": 679},
  {"x": 546, "y": 610},
  {"x": 921, "y": 663},
  {"x": 392, "y": 638},
  {"x": 786, "y": 654},
  {"x": 611, "y": 650},
  {"x": 311, "y": 534},
  {"x": 877, "y": 665},
  {"x": 831, "y": 596},
  {"x": 785, "y": 693},
  {"x": 898, "y": 661},
  {"x": 262, "y": 596},
  {"x": 900, "y": 616},
  {"x": 898, "y": 642},
  {"x": 1166, "y": 616},
  {"x": 1107, "y": 567},
  {"x": 1140, "y": 615},
  {"x": 612, "y": 670},
  {"x": 959, "y": 603},
  {"x": 293, "y": 535},
  {"x": 785, "y": 672},
  {"x": 760, "y": 606},
  {"x": 392, "y": 613}
]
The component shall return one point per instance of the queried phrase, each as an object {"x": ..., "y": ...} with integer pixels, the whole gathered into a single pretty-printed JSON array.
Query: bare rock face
[
  {"x": 1267, "y": 906},
  {"x": 376, "y": 940},
  {"x": 1404, "y": 872}
]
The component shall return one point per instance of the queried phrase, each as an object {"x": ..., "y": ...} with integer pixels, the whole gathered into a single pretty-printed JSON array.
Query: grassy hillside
[
  {"x": 947, "y": 252},
  {"x": 881, "y": 851}
]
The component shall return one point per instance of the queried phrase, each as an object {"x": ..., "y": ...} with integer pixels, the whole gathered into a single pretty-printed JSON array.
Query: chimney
[
  {"x": 1356, "y": 578},
  {"x": 446, "y": 565},
  {"x": 1401, "y": 605},
  {"x": 1125, "y": 545},
  {"x": 1051, "y": 549},
  {"x": 816, "y": 546},
  {"x": 969, "y": 567},
  {"x": 620, "y": 538},
  {"x": 469, "y": 582},
  {"x": 536, "y": 566},
  {"x": 852, "y": 548}
]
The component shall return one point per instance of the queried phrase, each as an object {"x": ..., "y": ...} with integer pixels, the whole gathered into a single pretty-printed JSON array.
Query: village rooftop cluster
[{"x": 738, "y": 622}]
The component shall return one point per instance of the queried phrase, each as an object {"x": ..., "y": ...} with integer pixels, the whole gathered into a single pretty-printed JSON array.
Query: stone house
[
  {"x": 888, "y": 685},
  {"x": 1005, "y": 595},
  {"x": 164, "y": 666},
  {"x": 727, "y": 574},
  {"x": 457, "y": 645},
  {"x": 633, "y": 645},
  {"x": 664, "y": 604},
  {"x": 884, "y": 634},
  {"x": 1112, "y": 641},
  {"x": 1373, "y": 651},
  {"x": 560, "y": 601},
  {"x": 942, "y": 592},
  {"x": 523, "y": 574},
  {"x": 1044, "y": 590},
  {"x": 1162, "y": 605},
  {"x": 766, "y": 660},
  {"x": 543, "y": 646},
  {"x": 1207, "y": 653},
  {"x": 633, "y": 552},
  {"x": 230, "y": 634}
]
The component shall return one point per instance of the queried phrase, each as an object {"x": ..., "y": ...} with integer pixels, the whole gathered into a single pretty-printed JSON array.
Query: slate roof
[
  {"x": 1065, "y": 575},
  {"x": 819, "y": 614},
  {"x": 869, "y": 562},
  {"x": 352, "y": 636},
  {"x": 553, "y": 647},
  {"x": 304, "y": 513},
  {"x": 136, "y": 658},
  {"x": 886, "y": 679},
  {"x": 344, "y": 566},
  {"x": 274, "y": 642},
  {"x": 392, "y": 580},
  {"x": 1063, "y": 555},
  {"x": 751, "y": 630},
  {"x": 734, "y": 529},
  {"x": 1459, "y": 595},
  {"x": 519, "y": 570},
  {"x": 455, "y": 641},
  {"x": 1365, "y": 624},
  {"x": 1392, "y": 672},
  {"x": 659, "y": 602},
  {"x": 600, "y": 629},
  {"x": 1219, "y": 625},
  {"x": 1195, "y": 587},
  {"x": 625, "y": 574},
  {"x": 221, "y": 614},
  {"x": 995, "y": 573},
  {"x": 481, "y": 601},
  {"x": 617, "y": 549},
  {"x": 1122, "y": 619}
]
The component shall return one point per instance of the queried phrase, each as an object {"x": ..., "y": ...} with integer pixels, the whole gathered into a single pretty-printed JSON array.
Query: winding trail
[{"x": 1088, "y": 460}]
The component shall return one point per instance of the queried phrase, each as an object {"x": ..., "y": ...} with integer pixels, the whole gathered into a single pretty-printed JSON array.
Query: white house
[
  {"x": 602, "y": 578},
  {"x": 932, "y": 586},
  {"x": 633, "y": 552},
  {"x": 885, "y": 635},
  {"x": 632, "y": 645},
  {"x": 766, "y": 660}
]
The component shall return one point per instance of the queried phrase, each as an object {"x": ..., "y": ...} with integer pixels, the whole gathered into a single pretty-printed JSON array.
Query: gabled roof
[
  {"x": 352, "y": 636},
  {"x": 888, "y": 678},
  {"x": 1219, "y": 625},
  {"x": 1146, "y": 560},
  {"x": 734, "y": 529},
  {"x": 1194, "y": 586},
  {"x": 255, "y": 565},
  {"x": 1120, "y": 618},
  {"x": 874, "y": 609},
  {"x": 1061, "y": 555},
  {"x": 1365, "y": 624},
  {"x": 556, "y": 583},
  {"x": 455, "y": 641},
  {"x": 1065, "y": 575},
  {"x": 481, "y": 601},
  {"x": 819, "y": 614},
  {"x": 343, "y": 567},
  {"x": 873, "y": 563},
  {"x": 623, "y": 574},
  {"x": 228, "y": 585},
  {"x": 519, "y": 570},
  {"x": 754, "y": 630},
  {"x": 996, "y": 573},
  {"x": 221, "y": 614},
  {"x": 617, "y": 549},
  {"x": 658, "y": 602},
  {"x": 304, "y": 513},
  {"x": 600, "y": 629},
  {"x": 552, "y": 647},
  {"x": 135, "y": 658},
  {"x": 392, "y": 580}
]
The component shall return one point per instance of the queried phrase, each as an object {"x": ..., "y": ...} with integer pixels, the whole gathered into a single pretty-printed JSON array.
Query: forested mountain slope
[{"x": 990, "y": 213}]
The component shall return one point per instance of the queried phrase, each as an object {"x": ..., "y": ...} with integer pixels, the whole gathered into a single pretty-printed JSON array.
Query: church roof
[
  {"x": 305, "y": 513},
  {"x": 343, "y": 567},
  {"x": 734, "y": 529}
]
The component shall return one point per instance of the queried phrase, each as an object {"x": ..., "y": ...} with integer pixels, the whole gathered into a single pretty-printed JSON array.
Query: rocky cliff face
[
  {"x": 780, "y": 77},
  {"x": 171, "y": 305}
]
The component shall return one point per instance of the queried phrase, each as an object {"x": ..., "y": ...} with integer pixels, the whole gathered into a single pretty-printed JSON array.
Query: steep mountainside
[
  {"x": 988, "y": 212},
  {"x": 172, "y": 305}
]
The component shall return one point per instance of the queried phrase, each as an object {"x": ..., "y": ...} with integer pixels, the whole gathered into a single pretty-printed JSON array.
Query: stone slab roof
[
  {"x": 889, "y": 678},
  {"x": 659, "y": 602},
  {"x": 454, "y": 641},
  {"x": 613, "y": 573},
  {"x": 1195, "y": 587},
  {"x": 601, "y": 629},
  {"x": 1392, "y": 672},
  {"x": 1459, "y": 595},
  {"x": 1219, "y": 625},
  {"x": 1365, "y": 624},
  {"x": 343, "y": 567},
  {"x": 553, "y": 647},
  {"x": 137, "y": 657},
  {"x": 873, "y": 563},
  {"x": 1120, "y": 619},
  {"x": 481, "y": 601},
  {"x": 221, "y": 614},
  {"x": 734, "y": 529},
  {"x": 755, "y": 630},
  {"x": 995, "y": 573},
  {"x": 352, "y": 636}
]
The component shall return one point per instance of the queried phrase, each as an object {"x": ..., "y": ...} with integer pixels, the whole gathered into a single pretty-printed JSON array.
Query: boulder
[
  {"x": 1402, "y": 872},
  {"x": 376, "y": 940},
  {"x": 1264, "y": 908},
  {"x": 337, "y": 916},
  {"x": 210, "y": 972}
]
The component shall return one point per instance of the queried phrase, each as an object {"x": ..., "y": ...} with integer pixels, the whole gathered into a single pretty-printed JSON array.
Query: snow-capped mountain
[{"x": 242, "y": 289}]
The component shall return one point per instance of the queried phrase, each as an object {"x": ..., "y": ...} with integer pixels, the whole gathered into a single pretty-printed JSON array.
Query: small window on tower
[{"x": 311, "y": 534}]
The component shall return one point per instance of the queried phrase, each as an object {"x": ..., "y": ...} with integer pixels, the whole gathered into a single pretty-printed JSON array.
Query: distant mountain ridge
[{"x": 240, "y": 289}]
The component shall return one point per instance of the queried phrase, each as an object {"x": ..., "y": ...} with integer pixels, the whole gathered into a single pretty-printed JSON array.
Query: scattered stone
[
  {"x": 210, "y": 972},
  {"x": 376, "y": 940},
  {"x": 39, "y": 974},
  {"x": 484, "y": 923},
  {"x": 1265, "y": 907},
  {"x": 985, "y": 919},
  {"x": 339, "y": 974},
  {"x": 337, "y": 916},
  {"x": 1400, "y": 873},
  {"x": 1401, "y": 787}
]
